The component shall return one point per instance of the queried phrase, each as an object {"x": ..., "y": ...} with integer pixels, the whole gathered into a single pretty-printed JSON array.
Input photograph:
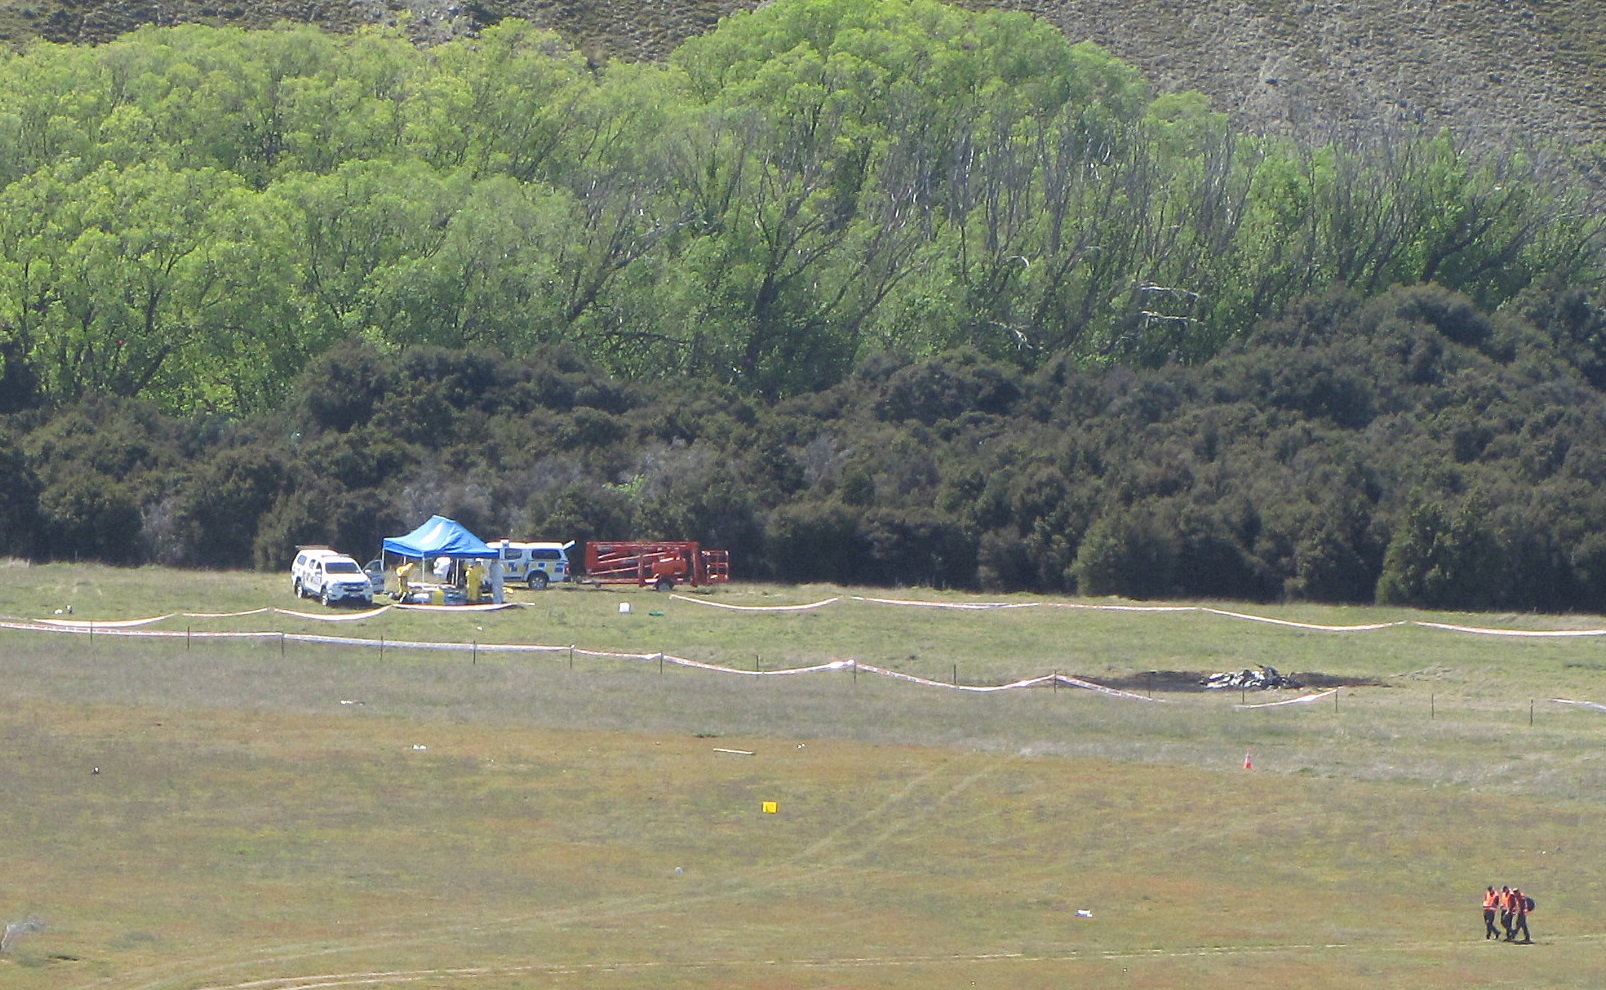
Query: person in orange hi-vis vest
[
  {"x": 1520, "y": 918},
  {"x": 1508, "y": 910},
  {"x": 1491, "y": 908}
]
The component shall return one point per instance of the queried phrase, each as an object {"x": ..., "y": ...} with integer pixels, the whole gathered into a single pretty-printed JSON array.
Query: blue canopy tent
[
  {"x": 437, "y": 538},
  {"x": 442, "y": 537}
]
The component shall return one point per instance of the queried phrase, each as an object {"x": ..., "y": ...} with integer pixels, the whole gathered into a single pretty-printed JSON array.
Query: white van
[
  {"x": 535, "y": 564},
  {"x": 330, "y": 577}
]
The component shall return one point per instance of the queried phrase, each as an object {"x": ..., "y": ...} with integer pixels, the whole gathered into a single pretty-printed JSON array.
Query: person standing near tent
[
  {"x": 474, "y": 578},
  {"x": 404, "y": 580},
  {"x": 1491, "y": 908}
]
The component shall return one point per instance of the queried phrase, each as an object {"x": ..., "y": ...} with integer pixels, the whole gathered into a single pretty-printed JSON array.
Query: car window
[
  {"x": 342, "y": 567},
  {"x": 545, "y": 555}
]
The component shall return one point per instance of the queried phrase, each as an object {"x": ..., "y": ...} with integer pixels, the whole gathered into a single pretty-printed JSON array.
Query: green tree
[
  {"x": 139, "y": 268},
  {"x": 51, "y": 98},
  {"x": 505, "y": 103},
  {"x": 491, "y": 278},
  {"x": 353, "y": 235}
]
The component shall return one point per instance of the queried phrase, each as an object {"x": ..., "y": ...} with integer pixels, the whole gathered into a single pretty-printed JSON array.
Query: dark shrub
[
  {"x": 947, "y": 387},
  {"x": 1441, "y": 557},
  {"x": 816, "y": 541},
  {"x": 341, "y": 388},
  {"x": 19, "y": 503},
  {"x": 1127, "y": 552},
  {"x": 581, "y": 510},
  {"x": 917, "y": 546},
  {"x": 1332, "y": 563},
  {"x": 19, "y": 386},
  {"x": 91, "y": 517},
  {"x": 222, "y": 503},
  {"x": 1213, "y": 558},
  {"x": 1450, "y": 313},
  {"x": 1004, "y": 561}
]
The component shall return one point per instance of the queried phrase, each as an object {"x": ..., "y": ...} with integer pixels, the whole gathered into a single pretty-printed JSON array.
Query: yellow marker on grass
[{"x": 771, "y": 807}]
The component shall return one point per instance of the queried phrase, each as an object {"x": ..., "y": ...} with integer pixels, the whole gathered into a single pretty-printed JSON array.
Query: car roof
[
  {"x": 518, "y": 545},
  {"x": 325, "y": 553}
]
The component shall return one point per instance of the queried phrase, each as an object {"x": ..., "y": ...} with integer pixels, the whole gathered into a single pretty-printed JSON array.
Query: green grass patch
[{"x": 283, "y": 814}]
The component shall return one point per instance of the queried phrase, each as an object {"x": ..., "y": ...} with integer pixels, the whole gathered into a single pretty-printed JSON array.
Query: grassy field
[{"x": 273, "y": 814}]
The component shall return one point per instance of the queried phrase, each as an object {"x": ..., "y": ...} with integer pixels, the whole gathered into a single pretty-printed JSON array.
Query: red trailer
[{"x": 662, "y": 563}]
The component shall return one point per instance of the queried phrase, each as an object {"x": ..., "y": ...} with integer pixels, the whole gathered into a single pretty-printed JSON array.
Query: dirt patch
[{"x": 1193, "y": 681}]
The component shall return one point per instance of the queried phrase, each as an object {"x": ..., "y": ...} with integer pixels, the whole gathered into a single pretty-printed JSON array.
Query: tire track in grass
[
  {"x": 396, "y": 977},
  {"x": 902, "y": 823},
  {"x": 756, "y": 880},
  {"x": 801, "y": 868}
]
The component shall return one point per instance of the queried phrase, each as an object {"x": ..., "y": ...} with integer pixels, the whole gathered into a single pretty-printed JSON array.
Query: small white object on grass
[
  {"x": 679, "y": 870},
  {"x": 1083, "y": 913},
  {"x": 417, "y": 747},
  {"x": 16, "y": 929}
]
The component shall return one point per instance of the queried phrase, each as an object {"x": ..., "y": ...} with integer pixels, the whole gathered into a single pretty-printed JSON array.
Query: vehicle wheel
[
  {"x": 324, "y": 597},
  {"x": 295, "y": 586},
  {"x": 537, "y": 580},
  {"x": 664, "y": 584}
]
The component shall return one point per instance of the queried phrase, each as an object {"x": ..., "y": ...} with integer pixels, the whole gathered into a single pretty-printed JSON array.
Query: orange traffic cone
[{"x": 1249, "y": 764}]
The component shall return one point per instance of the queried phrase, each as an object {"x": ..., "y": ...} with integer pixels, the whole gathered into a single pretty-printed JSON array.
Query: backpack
[{"x": 1529, "y": 905}]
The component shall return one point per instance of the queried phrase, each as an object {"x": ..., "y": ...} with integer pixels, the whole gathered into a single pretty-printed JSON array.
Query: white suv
[
  {"x": 535, "y": 564},
  {"x": 330, "y": 577}
]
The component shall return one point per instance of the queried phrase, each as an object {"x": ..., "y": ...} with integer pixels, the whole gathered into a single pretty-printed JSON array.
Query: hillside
[{"x": 1525, "y": 69}]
